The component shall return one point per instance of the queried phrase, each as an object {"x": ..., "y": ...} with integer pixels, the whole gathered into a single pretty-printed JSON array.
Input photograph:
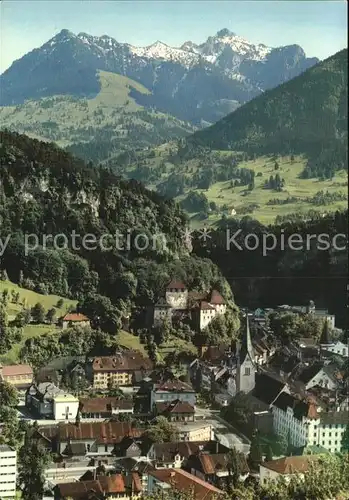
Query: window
[
  {"x": 247, "y": 371},
  {"x": 106, "y": 448}
]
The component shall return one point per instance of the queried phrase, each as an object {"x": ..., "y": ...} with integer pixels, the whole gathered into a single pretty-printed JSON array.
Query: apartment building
[
  {"x": 8, "y": 472},
  {"x": 20, "y": 376},
  {"x": 119, "y": 370}
]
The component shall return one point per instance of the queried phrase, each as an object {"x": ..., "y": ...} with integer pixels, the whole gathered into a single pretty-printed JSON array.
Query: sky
[{"x": 319, "y": 26}]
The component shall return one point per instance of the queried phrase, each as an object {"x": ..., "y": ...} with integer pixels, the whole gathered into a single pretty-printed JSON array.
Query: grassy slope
[
  {"x": 30, "y": 331},
  {"x": 222, "y": 194},
  {"x": 132, "y": 342},
  {"x": 74, "y": 117}
]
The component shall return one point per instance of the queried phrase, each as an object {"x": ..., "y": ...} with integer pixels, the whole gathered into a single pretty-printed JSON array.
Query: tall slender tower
[
  {"x": 325, "y": 340},
  {"x": 246, "y": 370}
]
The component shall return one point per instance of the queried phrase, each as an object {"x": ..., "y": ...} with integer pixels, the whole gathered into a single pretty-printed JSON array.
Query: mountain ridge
[{"x": 189, "y": 84}]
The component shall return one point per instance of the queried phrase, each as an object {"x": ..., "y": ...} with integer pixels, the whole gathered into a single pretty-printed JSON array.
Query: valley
[{"x": 112, "y": 121}]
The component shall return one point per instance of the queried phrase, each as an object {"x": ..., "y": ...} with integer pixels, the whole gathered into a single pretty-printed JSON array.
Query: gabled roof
[
  {"x": 115, "y": 484},
  {"x": 309, "y": 372},
  {"x": 213, "y": 463},
  {"x": 216, "y": 298},
  {"x": 176, "y": 284},
  {"x": 267, "y": 388},
  {"x": 183, "y": 481},
  {"x": 175, "y": 406},
  {"x": 290, "y": 465},
  {"x": 301, "y": 409},
  {"x": 173, "y": 386},
  {"x": 102, "y": 432},
  {"x": 205, "y": 306},
  {"x": 14, "y": 370},
  {"x": 334, "y": 418},
  {"x": 122, "y": 361},
  {"x": 75, "y": 317},
  {"x": 104, "y": 405},
  {"x": 167, "y": 451}
]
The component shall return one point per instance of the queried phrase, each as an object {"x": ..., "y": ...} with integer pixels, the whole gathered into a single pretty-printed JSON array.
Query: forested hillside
[
  {"x": 46, "y": 191},
  {"x": 307, "y": 115}
]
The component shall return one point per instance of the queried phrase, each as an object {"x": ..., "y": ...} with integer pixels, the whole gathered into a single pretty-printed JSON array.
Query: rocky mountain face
[{"x": 193, "y": 82}]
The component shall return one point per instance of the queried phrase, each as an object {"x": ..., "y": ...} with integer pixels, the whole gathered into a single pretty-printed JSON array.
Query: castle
[{"x": 180, "y": 302}]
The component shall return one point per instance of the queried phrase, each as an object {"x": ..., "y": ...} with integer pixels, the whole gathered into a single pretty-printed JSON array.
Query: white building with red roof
[
  {"x": 178, "y": 301},
  {"x": 74, "y": 318},
  {"x": 20, "y": 376}
]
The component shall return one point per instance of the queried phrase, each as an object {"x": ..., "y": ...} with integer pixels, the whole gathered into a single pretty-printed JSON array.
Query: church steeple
[
  {"x": 246, "y": 348},
  {"x": 245, "y": 367},
  {"x": 325, "y": 334}
]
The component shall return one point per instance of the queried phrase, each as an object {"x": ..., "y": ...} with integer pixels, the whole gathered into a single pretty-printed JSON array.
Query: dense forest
[
  {"x": 307, "y": 115},
  {"x": 284, "y": 275},
  {"x": 46, "y": 191}
]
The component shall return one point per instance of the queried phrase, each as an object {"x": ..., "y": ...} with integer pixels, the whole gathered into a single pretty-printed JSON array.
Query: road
[{"x": 224, "y": 432}]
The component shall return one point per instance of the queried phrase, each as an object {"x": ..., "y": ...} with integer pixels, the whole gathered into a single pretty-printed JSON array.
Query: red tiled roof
[
  {"x": 75, "y": 317},
  {"x": 92, "y": 405},
  {"x": 205, "y": 306},
  {"x": 183, "y": 481},
  {"x": 175, "y": 406},
  {"x": 115, "y": 484},
  {"x": 216, "y": 298},
  {"x": 102, "y": 432},
  {"x": 125, "y": 361},
  {"x": 178, "y": 285},
  {"x": 290, "y": 465},
  {"x": 174, "y": 385},
  {"x": 12, "y": 370}
]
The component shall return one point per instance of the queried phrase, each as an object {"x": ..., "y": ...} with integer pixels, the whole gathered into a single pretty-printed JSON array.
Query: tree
[
  {"x": 269, "y": 454},
  {"x": 8, "y": 394},
  {"x": 22, "y": 318},
  {"x": 236, "y": 466},
  {"x": 60, "y": 303},
  {"x": 345, "y": 440},
  {"x": 255, "y": 457},
  {"x": 162, "y": 432},
  {"x": 50, "y": 315},
  {"x": 38, "y": 313},
  {"x": 32, "y": 462}
]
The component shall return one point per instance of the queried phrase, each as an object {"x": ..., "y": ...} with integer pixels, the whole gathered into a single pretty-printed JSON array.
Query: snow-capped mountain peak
[{"x": 160, "y": 50}]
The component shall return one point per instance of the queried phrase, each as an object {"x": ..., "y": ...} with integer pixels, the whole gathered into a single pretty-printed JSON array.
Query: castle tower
[{"x": 246, "y": 370}]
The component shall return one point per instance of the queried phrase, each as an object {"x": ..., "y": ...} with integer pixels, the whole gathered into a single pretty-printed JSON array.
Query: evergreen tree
[
  {"x": 255, "y": 457},
  {"x": 32, "y": 462}
]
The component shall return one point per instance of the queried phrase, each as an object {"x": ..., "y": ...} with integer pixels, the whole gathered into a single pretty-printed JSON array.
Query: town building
[
  {"x": 179, "y": 302},
  {"x": 339, "y": 348},
  {"x": 176, "y": 411},
  {"x": 285, "y": 467},
  {"x": 328, "y": 430},
  {"x": 75, "y": 319},
  {"x": 102, "y": 408},
  {"x": 115, "y": 486},
  {"x": 49, "y": 401},
  {"x": 175, "y": 455},
  {"x": 94, "y": 438},
  {"x": 119, "y": 370},
  {"x": 320, "y": 373},
  {"x": 8, "y": 472},
  {"x": 20, "y": 376},
  {"x": 294, "y": 418},
  {"x": 195, "y": 431},
  {"x": 163, "y": 480},
  {"x": 172, "y": 389}
]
